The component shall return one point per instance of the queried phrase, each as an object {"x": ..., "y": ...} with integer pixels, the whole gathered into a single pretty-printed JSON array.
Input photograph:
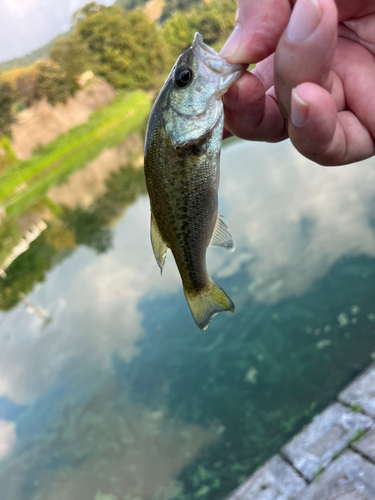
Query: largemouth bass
[{"x": 182, "y": 153}]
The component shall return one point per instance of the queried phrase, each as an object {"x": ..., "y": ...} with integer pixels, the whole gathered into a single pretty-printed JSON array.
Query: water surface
[{"x": 108, "y": 391}]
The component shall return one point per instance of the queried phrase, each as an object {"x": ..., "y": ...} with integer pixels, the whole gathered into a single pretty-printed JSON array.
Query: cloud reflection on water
[
  {"x": 296, "y": 218},
  {"x": 8, "y": 438}
]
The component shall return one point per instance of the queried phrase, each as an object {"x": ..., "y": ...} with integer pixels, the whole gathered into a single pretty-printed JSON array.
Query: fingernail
[
  {"x": 303, "y": 21},
  {"x": 232, "y": 44},
  {"x": 299, "y": 110},
  {"x": 230, "y": 98}
]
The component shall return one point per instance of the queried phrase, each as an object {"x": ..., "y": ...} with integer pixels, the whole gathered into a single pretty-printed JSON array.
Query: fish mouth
[{"x": 223, "y": 73}]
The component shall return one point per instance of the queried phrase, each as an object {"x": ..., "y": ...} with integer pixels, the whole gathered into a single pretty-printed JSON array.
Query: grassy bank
[{"x": 22, "y": 184}]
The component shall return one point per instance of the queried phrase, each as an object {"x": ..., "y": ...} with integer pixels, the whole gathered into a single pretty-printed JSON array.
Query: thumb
[{"x": 259, "y": 26}]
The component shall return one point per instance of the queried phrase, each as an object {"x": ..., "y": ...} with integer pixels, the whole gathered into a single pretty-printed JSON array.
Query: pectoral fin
[
  {"x": 158, "y": 245},
  {"x": 222, "y": 237}
]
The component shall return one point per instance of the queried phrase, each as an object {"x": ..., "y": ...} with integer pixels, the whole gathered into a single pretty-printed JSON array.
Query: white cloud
[{"x": 8, "y": 438}]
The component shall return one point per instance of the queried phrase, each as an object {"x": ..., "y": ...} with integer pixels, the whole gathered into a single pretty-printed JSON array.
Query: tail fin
[{"x": 205, "y": 304}]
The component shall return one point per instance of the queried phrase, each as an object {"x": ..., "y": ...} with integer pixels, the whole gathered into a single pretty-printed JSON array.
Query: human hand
[{"x": 315, "y": 77}]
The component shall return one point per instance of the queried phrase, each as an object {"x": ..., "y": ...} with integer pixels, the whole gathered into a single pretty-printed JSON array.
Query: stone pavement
[{"x": 332, "y": 458}]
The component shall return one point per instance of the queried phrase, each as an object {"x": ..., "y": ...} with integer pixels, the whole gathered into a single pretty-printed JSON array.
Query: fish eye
[{"x": 183, "y": 77}]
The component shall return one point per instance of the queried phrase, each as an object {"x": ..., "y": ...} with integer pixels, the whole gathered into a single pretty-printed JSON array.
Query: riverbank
[
  {"x": 332, "y": 457},
  {"x": 25, "y": 182}
]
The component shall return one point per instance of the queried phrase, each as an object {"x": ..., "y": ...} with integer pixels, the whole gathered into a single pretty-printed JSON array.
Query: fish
[{"x": 181, "y": 164}]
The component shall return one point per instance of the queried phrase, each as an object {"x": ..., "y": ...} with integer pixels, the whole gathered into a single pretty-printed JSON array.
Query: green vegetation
[
  {"x": 128, "y": 48},
  {"x": 7, "y": 156},
  {"x": 21, "y": 87},
  {"x": 130, "y": 4},
  {"x": 318, "y": 473},
  {"x": 72, "y": 150},
  {"x": 356, "y": 407},
  {"x": 213, "y": 19},
  {"x": 171, "y": 7},
  {"x": 73, "y": 57},
  {"x": 52, "y": 81},
  {"x": 360, "y": 433},
  {"x": 6, "y": 117}
]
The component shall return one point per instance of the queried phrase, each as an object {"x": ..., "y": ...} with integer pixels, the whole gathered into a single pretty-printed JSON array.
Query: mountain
[{"x": 33, "y": 56}]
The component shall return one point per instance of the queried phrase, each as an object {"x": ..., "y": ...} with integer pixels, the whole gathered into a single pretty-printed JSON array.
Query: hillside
[{"x": 33, "y": 56}]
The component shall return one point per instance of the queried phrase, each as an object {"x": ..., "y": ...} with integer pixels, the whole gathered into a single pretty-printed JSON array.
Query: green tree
[
  {"x": 129, "y": 48},
  {"x": 214, "y": 19},
  {"x": 178, "y": 33},
  {"x": 130, "y": 4},
  {"x": 171, "y": 7},
  {"x": 26, "y": 86},
  {"x": 6, "y": 101},
  {"x": 74, "y": 58},
  {"x": 23, "y": 84},
  {"x": 52, "y": 82},
  {"x": 86, "y": 11}
]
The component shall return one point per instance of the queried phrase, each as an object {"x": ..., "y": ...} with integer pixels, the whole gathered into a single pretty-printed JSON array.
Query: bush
[
  {"x": 73, "y": 57},
  {"x": 129, "y": 50},
  {"x": 52, "y": 81},
  {"x": 6, "y": 101}
]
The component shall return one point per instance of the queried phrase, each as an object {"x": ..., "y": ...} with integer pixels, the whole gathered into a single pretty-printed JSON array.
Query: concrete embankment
[{"x": 331, "y": 458}]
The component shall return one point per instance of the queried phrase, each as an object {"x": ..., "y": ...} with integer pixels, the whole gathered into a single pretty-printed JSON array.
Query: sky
[{"x": 26, "y": 25}]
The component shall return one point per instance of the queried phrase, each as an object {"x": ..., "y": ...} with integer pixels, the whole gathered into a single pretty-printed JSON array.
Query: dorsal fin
[
  {"x": 158, "y": 244},
  {"x": 221, "y": 236}
]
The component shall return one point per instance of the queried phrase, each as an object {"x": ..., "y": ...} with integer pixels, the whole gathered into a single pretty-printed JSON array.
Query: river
[{"x": 108, "y": 391}]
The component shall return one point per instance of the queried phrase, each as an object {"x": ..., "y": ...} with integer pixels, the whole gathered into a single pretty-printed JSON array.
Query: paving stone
[
  {"x": 276, "y": 480},
  {"x": 350, "y": 477},
  {"x": 326, "y": 436},
  {"x": 361, "y": 391},
  {"x": 366, "y": 445}
]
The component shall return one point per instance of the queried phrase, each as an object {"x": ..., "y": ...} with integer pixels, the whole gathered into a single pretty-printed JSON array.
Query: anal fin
[
  {"x": 158, "y": 244},
  {"x": 222, "y": 237}
]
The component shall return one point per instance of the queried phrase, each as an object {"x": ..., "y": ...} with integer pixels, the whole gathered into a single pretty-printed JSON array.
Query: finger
[
  {"x": 259, "y": 25},
  {"x": 306, "y": 49},
  {"x": 251, "y": 113},
  {"x": 355, "y": 67},
  {"x": 265, "y": 72},
  {"x": 321, "y": 133}
]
